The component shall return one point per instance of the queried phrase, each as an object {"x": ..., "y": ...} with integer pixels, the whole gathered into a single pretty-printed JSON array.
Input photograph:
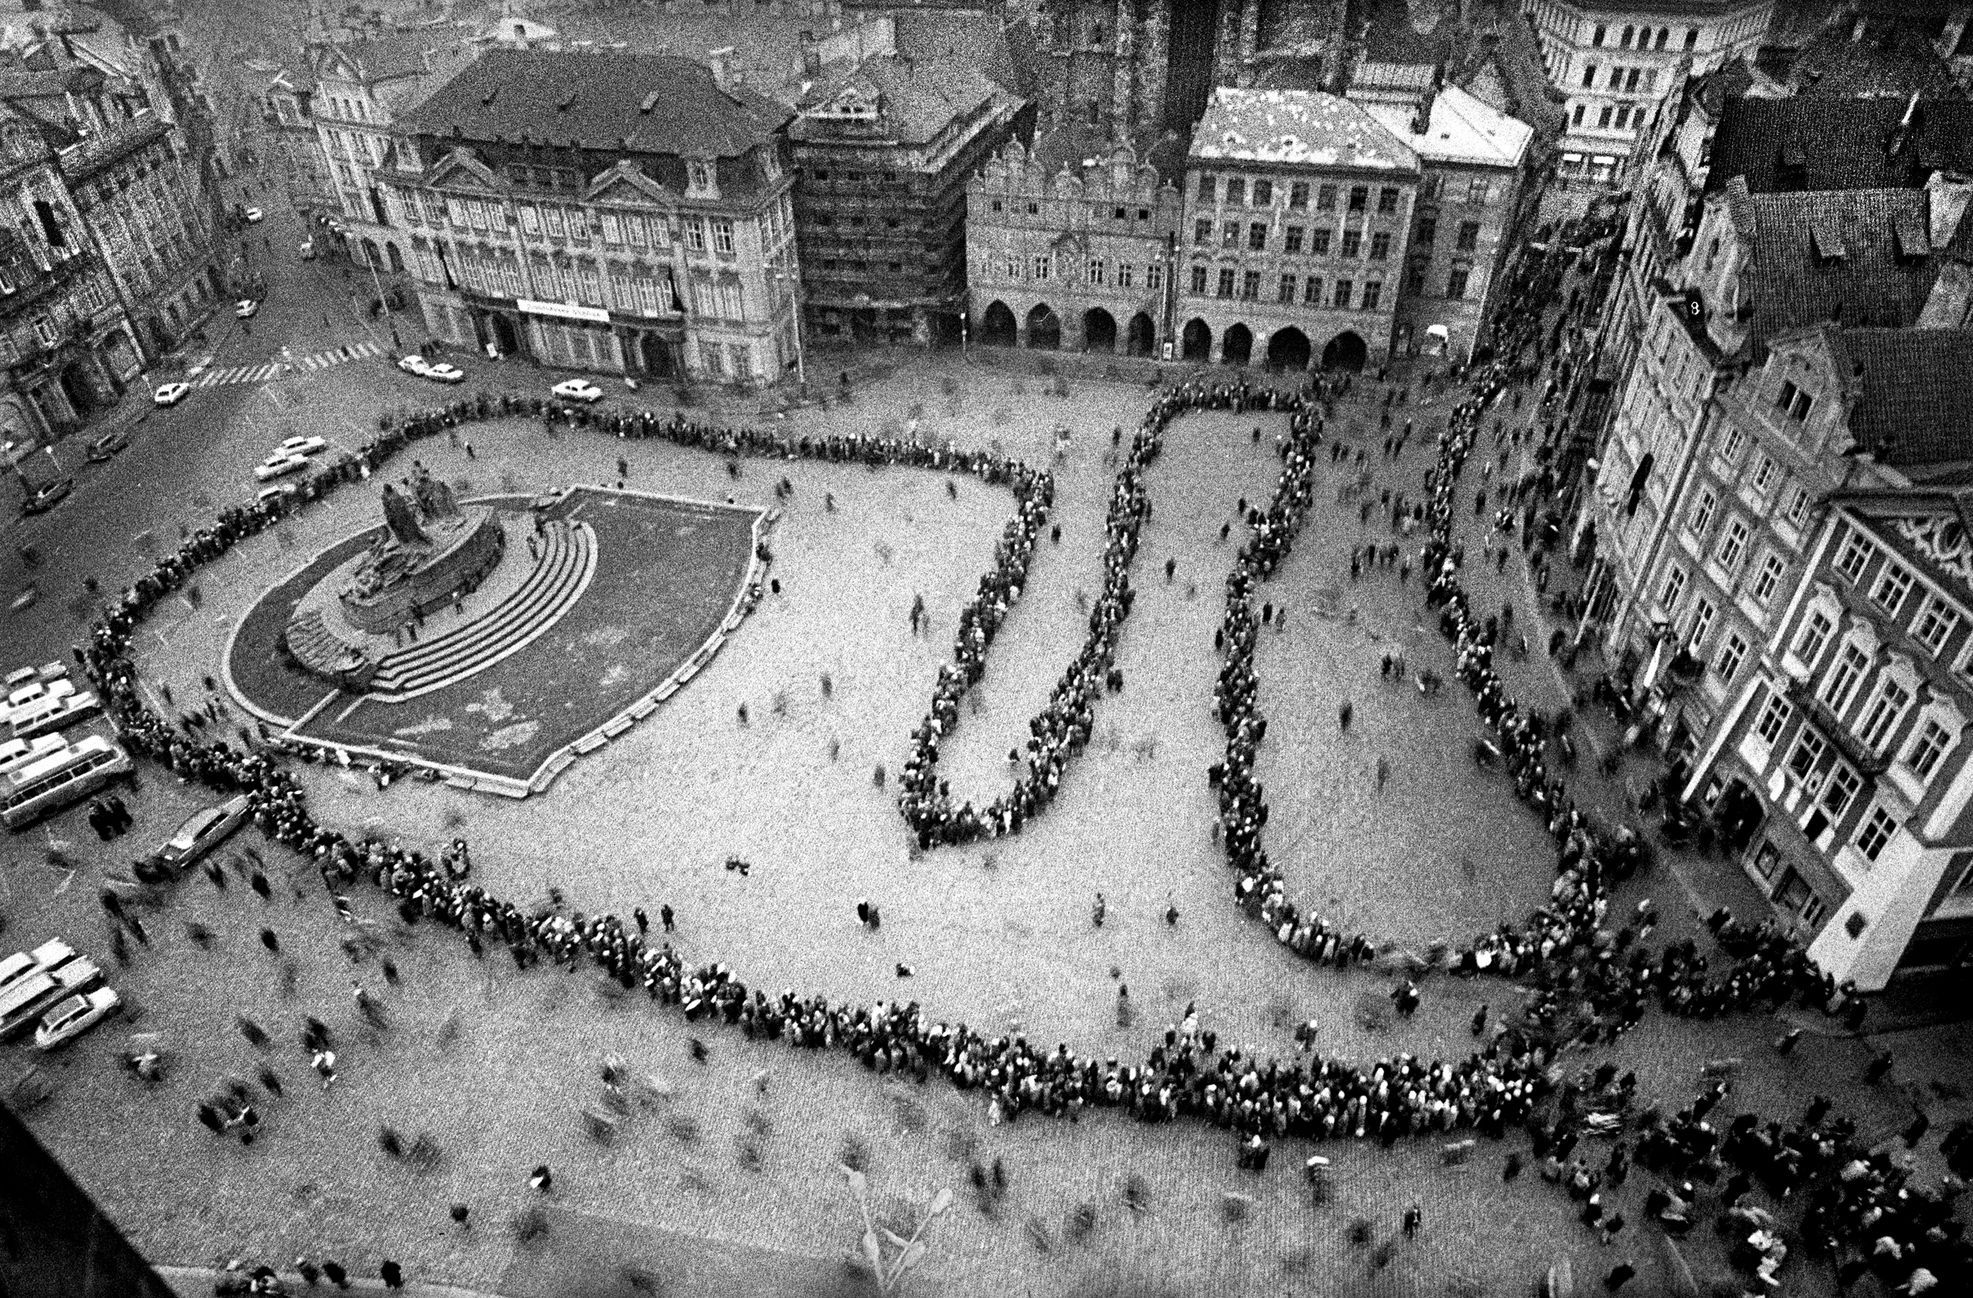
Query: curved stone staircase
[{"x": 558, "y": 580}]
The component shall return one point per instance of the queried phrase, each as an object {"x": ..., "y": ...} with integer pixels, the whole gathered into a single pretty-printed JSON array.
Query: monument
[{"x": 431, "y": 553}]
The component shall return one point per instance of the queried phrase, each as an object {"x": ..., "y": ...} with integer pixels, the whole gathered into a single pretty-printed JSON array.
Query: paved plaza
[{"x": 742, "y": 1153}]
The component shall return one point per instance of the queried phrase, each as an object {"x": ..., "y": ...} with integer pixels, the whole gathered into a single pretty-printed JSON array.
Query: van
[{"x": 42, "y": 788}]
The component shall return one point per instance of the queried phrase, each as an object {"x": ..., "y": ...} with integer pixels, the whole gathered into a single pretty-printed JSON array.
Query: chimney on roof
[
  {"x": 723, "y": 74},
  {"x": 811, "y": 55}
]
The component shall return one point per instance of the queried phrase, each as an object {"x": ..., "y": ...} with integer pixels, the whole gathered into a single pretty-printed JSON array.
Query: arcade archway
[
  {"x": 1044, "y": 328},
  {"x": 1289, "y": 349},
  {"x": 1346, "y": 351},
  {"x": 1197, "y": 340},
  {"x": 1099, "y": 330},
  {"x": 1143, "y": 336},
  {"x": 997, "y": 326}
]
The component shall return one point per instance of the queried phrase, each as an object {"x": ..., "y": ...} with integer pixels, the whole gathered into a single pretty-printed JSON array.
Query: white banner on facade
[{"x": 593, "y": 314}]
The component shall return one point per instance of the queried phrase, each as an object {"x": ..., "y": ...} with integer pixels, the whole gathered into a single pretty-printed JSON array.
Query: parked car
[
  {"x": 278, "y": 465},
  {"x": 301, "y": 446},
  {"x": 46, "y": 496},
  {"x": 279, "y": 490},
  {"x": 444, "y": 373},
  {"x": 203, "y": 831},
  {"x": 246, "y": 308},
  {"x": 578, "y": 390},
  {"x": 415, "y": 365},
  {"x": 74, "y": 1016},
  {"x": 33, "y": 996},
  {"x": 254, "y": 216},
  {"x": 104, "y": 448},
  {"x": 171, "y": 394}
]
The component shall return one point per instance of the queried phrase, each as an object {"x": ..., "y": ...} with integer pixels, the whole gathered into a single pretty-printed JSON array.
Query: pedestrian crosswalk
[{"x": 287, "y": 367}]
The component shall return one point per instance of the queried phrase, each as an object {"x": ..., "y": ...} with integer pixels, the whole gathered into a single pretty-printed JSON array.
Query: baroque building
[{"x": 617, "y": 213}]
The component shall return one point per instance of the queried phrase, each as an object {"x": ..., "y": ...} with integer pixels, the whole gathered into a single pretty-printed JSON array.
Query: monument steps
[{"x": 557, "y": 580}]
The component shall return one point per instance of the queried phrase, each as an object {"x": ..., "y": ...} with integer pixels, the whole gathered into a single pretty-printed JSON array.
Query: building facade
[
  {"x": 1472, "y": 197},
  {"x": 357, "y": 91},
  {"x": 289, "y": 114},
  {"x": 1842, "y": 782},
  {"x": 1299, "y": 207},
  {"x": 1738, "y": 420},
  {"x": 65, "y": 343},
  {"x": 597, "y": 211},
  {"x": 883, "y": 144},
  {"x": 1081, "y": 260},
  {"x": 1617, "y": 62}
]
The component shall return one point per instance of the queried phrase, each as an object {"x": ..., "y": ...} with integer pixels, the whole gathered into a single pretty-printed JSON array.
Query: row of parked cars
[
  {"x": 437, "y": 371},
  {"x": 55, "y": 985},
  {"x": 40, "y": 701}
]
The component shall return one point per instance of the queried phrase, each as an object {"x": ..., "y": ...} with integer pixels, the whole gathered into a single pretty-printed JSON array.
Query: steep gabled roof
[
  {"x": 650, "y": 103},
  {"x": 1913, "y": 402},
  {"x": 1297, "y": 127}
]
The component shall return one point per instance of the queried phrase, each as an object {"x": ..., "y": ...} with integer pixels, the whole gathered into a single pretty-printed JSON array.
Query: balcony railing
[{"x": 92, "y": 154}]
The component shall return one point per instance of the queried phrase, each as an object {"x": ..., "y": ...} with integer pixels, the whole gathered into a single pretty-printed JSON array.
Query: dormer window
[
  {"x": 1793, "y": 402},
  {"x": 700, "y": 178}
]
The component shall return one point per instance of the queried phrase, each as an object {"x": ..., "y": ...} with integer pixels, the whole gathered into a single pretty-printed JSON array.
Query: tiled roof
[
  {"x": 919, "y": 97},
  {"x": 1834, "y": 256},
  {"x": 1839, "y": 143},
  {"x": 650, "y": 103},
  {"x": 1913, "y": 393},
  {"x": 1299, "y": 127},
  {"x": 979, "y": 41},
  {"x": 1893, "y": 59}
]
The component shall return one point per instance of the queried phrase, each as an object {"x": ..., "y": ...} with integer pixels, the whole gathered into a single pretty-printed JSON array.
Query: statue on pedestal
[{"x": 401, "y": 516}]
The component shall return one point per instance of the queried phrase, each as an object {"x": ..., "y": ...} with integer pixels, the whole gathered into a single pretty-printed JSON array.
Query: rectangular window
[
  {"x": 1576, "y": 118},
  {"x": 612, "y": 228},
  {"x": 1359, "y": 198},
  {"x": 1478, "y": 193},
  {"x": 1589, "y": 76},
  {"x": 1380, "y": 247},
  {"x": 1428, "y": 232},
  {"x": 1325, "y": 198},
  {"x": 1885, "y": 711},
  {"x": 1765, "y": 472},
  {"x": 1229, "y": 235},
  {"x": 1814, "y": 636},
  {"x": 1852, "y": 664},
  {"x": 1298, "y": 195},
  {"x": 1455, "y": 283},
  {"x": 1774, "y": 719},
  {"x": 1893, "y": 584},
  {"x": 1855, "y": 555},
  {"x": 1095, "y": 272},
  {"x": 1250, "y": 285},
  {"x": 1373, "y": 293},
  {"x": 1387, "y": 200},
  {"x": 1936, "y": 621},
  {"x": 1703, "y": 613},
  {"x": 1042, "y": 266},
  {"x": 634, "y": 232},
  {"x": 1674, "y": 588},
  {"x": 695, "y": 233},
  {"x": 1731, "y": 655},
  {"x": 1344, "y": 290},
  {"x": 1793, "y": 402},
  {"x": 1931, "y": 744},
  {"x": 1199, "y": 280},
  {"x": 1226, "y": 281},
  {"x": 1206, "y": 188},
  {"x": 1312, "y": 291},
  {"x": 1154, "y": 278},
  {"x": 1878, "y": 827},
  {"x": 1732, "y": 444},
  {"x": 1702, "y": 512},
  {"x": 1733, "y": 545},
  {"x": 722, "y": 238},
  {"x": 1352, "y": 242},
  {"x": 1808, "y": 750},
  {"x": 1319, "y": 241},
  {"x": 1257, "y": 236},
  {"x": 1236, "y": 192},
  {"x": 1124, "y": 274},
  {"x": 1840, "y": 790},
  {"x": 1291, "y": 241},
  {"x": 1287, "y": 294},
  {"x": 1603, "y": 118},
  {"x": 1799, "y": 505},
  {"x": 1469, "y": 236},
  {"x": 1263, "y": 193},
  {"x": 1202, "y": 232}
]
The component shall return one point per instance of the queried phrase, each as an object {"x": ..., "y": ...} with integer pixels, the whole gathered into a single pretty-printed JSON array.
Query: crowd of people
[{"x": 1501, "y": 1085}]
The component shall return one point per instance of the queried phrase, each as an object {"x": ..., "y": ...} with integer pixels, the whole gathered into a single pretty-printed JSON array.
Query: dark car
[
  {"x": 46, "y": 496},
  {"x": 104, "y": 448}
]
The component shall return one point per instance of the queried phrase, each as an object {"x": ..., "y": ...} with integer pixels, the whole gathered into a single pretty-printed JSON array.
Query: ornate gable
[
  {"x": 625, "y": 183},
  {"x": 461, "y": 169}
]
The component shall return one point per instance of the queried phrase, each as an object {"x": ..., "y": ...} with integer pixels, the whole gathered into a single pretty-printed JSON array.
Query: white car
[
  {"x": 254, "y": 215},
  {"x": 444, "y": 373},
  {"x": 204, "y": 831},
  {"x": 171, "y": 394},
  {"x": 578, "y": 390},
  {"x": 301, "y": 446},
  {"x": 246, "y": 308},
  {"x": 414, "y": 365},
  {"x": 74, "y": 1016},
  {"x": 278, "y": 465}
]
